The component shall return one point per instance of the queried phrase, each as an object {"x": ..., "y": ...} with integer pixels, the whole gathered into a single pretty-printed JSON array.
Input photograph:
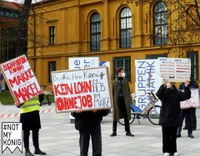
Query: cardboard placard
[
  {"x": 175, "y": 69},
  {"x": 83, "y": 62},
  {"x": 84, "y": 89},
  {"x": 20, "y": 79},
  {"x": 147, "y": 80}
]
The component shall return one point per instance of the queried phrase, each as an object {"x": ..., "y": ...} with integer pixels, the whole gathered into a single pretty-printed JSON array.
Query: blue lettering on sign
[
  {"x": 77, "y": 62},
  {"x": 146, "y": 81},
  {"x": 102, "y": 63},
  {"x": 85, "y": 61}
]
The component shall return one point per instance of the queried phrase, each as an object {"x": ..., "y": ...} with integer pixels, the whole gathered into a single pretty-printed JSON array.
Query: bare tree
[{"x": 23, "y": 29}]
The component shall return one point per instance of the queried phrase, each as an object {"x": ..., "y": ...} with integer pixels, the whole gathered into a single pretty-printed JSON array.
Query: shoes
[
  {"x": 130, "y": 134},
  {"x": 113, "y": 134},
  {"x": 166, "y": 154},
  {"x": 178, "y": 135},
  {"x": 28, "y": 153},
  {"x": 38, "y": 151},
  {"x": 190, "y": 136},
  {"x": 176, "y": 154}
]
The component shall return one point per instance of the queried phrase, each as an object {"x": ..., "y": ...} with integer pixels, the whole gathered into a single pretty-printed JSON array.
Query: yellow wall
[{"x": 72, "y": 22}]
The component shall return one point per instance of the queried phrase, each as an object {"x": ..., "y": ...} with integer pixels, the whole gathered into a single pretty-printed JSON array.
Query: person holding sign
[
  {"x": 30, "y": 119},
  {"x": 188, "y": 113},
  {"x": 121, "y": 102},
  {"x": 88, "y": 124},
  {"x": 170, "y": 114}
]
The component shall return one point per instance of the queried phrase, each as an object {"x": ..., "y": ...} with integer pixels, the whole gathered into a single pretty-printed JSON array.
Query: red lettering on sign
[
  {"x": 73, "y": 88},
  {"x": 23, "y": 77},
  {"x": 27, "y": 92},
  {"x": 63, "y": 89},
  {"x": 16, "y": 62},
  {"x": 78, "y": 102}
]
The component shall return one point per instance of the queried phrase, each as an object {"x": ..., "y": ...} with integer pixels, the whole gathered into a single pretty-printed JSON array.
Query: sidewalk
[{"x": 58, "y": 137}]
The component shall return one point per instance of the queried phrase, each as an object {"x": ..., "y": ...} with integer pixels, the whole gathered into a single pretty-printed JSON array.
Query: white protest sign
[
  {"x": 11, "y": 136},
  {"x": 84, "y": 89},
  {"x": 193, "y": 101},
  {"x": 175, "y": 69},
  {"x": 83, "y": 62},
  {"x": 20, "y": 79},
  {"x": 147, "y": 79}
]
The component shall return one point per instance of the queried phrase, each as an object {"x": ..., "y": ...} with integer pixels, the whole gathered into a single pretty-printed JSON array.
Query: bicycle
[{"x": 151, "y": 111}]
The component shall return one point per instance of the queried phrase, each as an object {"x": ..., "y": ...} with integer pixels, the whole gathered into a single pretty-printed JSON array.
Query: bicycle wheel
[
  {"x": 154, "y": 114},
  {"x": 133, "y": 116}
]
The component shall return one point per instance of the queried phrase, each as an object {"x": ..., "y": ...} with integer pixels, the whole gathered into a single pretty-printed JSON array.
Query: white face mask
[{"x": 123, "y": 74}]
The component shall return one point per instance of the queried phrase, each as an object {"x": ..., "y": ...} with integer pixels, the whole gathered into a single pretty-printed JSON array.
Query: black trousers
[
  {"x": 169, "y": 139},
  {"x": 95, "y": 132},
  {"x": 188, "y": 113},
  {"x": 122, "y": 107},
  {"x": 35, "y": 135},
  {"x": 194, "y": 119}
]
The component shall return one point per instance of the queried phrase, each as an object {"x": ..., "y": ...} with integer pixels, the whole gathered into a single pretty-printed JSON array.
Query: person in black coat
[
  {"x": 189, "y": 114},
  {"x": 170, "y": 114},
  {"x": 88, "y": 124}
]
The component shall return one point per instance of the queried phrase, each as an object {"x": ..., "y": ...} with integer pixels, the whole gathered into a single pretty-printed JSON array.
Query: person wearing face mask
[
  {"x": 121, "y": 101},
  {"x": 170, "y": 114}
]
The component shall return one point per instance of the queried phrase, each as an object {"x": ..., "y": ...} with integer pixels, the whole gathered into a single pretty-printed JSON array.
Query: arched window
[
  {"x": 95, "y": 32},
  {"x": 125, "y": 28},
  {"x": 160, "y": 23}
]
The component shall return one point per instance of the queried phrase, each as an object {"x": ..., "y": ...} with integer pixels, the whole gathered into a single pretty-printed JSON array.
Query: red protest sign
[
  {"x": 84, "y": 89},
  {"x": 20, "y": 79}
]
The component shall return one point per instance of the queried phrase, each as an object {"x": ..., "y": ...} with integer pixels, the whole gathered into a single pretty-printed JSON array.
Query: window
[
  {"x": 194, "y": 64},
  {"x": 160, "y": 23},
  {"x": 52, "y": 35},
  {"x": 123, "y": 62},
  {"x": 155, "y": 56},
  {"x": 125, "y": 28},
  {"x": 52, "y": 67},
  {"x": 95, "y": 32}
]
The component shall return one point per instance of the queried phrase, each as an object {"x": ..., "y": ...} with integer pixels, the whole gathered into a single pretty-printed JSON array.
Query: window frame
[
  {"x": 52, "y": 35},
  {"x": 95, "y": 37},
  {"x": 194, "y": 68},
  {"x": 51, "y": 64},
  {"x": 155, "y": 56},
  {"x": 127, "y": 39},
  {"x": 163, "y": 39}
]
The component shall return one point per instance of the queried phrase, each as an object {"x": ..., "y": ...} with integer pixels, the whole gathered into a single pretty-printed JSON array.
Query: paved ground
[{"x": 58, "y": 137}]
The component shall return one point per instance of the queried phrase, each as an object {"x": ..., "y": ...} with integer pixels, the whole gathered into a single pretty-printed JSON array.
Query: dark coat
[
  {"x": 170, "y": 114},
  {"x": 117, "y": 113},
  {"x": 87, "y": 119},
  {"x": 31, "y": 120}
]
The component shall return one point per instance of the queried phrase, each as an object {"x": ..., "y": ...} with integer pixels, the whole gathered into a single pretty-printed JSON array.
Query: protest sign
[
  {"x": 20, "y": 79},
  {"x": 193, "y": 101},
  {"x": 147, "y": 79},
  {"x": 84, "y": 89},
  {"x": 11, "y": 136},
  {"x": 175, "y": 69},
  {"x": 83, "y": 62}
]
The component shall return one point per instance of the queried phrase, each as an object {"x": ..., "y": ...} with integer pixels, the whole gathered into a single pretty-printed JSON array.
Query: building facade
[
  {"x": 9, "y": 16},
  {"x": 114, "y": 30}
]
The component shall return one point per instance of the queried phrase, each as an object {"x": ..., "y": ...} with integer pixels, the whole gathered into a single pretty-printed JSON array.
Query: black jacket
[
  {"x": 170, "y": 114},
  {"x": 87, "y": 119}
]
